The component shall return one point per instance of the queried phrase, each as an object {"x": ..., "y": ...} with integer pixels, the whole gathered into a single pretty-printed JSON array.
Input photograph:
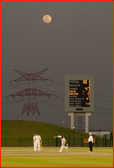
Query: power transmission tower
[{"x": 30, "y": 105}]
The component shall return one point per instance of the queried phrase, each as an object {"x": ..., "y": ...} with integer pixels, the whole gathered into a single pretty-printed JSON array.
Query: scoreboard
[{"x": 79, "y": 93}]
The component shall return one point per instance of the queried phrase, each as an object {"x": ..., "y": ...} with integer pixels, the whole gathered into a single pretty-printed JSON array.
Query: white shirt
[
  {"x": 38, "y": 138},
  {"x": 63, "y": 140},
  {"x": 34, "y": 139},
  {"x": 90, "y": 139}
]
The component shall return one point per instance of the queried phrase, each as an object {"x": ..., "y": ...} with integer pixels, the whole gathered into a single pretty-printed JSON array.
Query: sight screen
[{"x": 79, "y": 93}]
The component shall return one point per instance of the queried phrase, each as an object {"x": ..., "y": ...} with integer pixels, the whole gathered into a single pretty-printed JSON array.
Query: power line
[
  {"x": 103, "y": 100},
  {"x": 59, "y": 106},
  {"x": 98, "y": 107},
  {"x": 58, "y": 92},
  {"x": 103, "y": 95},
  {"x": 103, "y": 112}
]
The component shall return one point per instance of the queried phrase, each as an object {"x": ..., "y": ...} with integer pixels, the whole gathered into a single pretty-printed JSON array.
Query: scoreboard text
[{"x": 79, "y": 93}]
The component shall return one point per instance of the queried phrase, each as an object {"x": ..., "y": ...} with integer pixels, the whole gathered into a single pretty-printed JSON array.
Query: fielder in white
[
  {"x": 34, "y": 142},
  {"x": 38, "y": 142},
  {"x": 63, "y": 142}
]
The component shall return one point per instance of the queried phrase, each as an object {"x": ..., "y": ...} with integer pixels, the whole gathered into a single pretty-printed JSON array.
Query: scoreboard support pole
[
  {"x": 87, "y": 122},
  {"x": 86, "y": 114},
  {"x": 72, "y": 119}
]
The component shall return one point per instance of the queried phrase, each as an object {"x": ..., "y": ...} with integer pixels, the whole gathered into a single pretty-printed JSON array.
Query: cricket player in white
[
  {"x": 38, "y": 142},
  {"x": 63, "y": 141},
  {"x": 34, "y": 142}
]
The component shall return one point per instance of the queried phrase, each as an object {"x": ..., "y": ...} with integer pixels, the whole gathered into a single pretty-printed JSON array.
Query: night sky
[{"x": 78, "y": 41}]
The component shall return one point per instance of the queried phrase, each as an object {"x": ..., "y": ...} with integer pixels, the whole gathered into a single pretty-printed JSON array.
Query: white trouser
[
  {"x": 38, "y": 146},
  {"x": 63, "y": 146},
  {"x": 34, "y": 146}
]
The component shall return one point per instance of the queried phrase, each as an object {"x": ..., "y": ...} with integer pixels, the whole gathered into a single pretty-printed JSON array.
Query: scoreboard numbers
[{"x": 79, "y": 93}]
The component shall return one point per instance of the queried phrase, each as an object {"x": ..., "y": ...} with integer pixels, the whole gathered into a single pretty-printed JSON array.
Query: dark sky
[{"x": 78, "y": 41}]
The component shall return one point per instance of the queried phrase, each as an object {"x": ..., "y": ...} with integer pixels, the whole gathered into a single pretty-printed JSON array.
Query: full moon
[{"x": 47, "y": 18}]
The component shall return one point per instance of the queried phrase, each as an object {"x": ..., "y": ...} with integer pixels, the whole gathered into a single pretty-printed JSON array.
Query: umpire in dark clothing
[{"x": 90, "y": 140}]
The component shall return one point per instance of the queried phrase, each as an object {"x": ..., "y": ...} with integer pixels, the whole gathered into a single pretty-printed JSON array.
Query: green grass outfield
[
  {"x": 20, "y": 133},
  {"x": 26, "y": 129},
  {"x": 49, "y": 157}
]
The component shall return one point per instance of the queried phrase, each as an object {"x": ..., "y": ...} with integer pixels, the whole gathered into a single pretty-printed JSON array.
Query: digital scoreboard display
[{"x": 79, "y": 93}]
